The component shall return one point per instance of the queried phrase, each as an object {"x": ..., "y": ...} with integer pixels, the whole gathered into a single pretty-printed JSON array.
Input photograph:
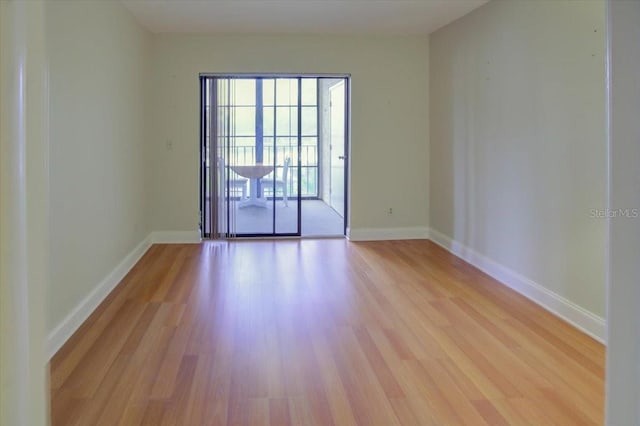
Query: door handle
[{"x": 341, "y": 157}]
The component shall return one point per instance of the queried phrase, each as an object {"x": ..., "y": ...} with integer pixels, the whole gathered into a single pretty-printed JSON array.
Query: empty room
[{"x": 305, "y": 212}]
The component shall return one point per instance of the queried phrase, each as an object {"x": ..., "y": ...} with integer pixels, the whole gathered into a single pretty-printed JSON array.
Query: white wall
[
  {"x": 389, "y": 149},
  {"x": 24, "y": 213},
  {"x": 98, "y": 66},
  {"x": 623, "y": 315},
  {"x": 517, "y": 145}
]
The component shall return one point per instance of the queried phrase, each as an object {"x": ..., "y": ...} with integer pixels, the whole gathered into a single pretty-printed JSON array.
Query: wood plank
[
  {"x": 279, "y": 412},
  {"x": 322, "y": 332},
  {"x": 70, "y": 355}
]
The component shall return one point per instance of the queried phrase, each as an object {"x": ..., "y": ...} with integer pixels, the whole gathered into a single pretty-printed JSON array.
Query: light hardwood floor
[{"x": 322, "y": 332}]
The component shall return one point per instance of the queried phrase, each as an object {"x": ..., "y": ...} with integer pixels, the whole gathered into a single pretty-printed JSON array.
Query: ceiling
[{"x": 299, "y": 16}]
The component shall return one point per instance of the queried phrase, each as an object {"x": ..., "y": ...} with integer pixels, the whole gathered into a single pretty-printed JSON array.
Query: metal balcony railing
[{"x": 246, "y": 155}]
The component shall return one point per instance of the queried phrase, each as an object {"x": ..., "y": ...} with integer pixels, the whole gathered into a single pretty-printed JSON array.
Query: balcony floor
[{"x": 318, "y": 219}]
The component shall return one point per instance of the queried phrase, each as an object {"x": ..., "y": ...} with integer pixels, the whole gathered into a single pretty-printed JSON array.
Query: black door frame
[{"x": 204, "y": 220}]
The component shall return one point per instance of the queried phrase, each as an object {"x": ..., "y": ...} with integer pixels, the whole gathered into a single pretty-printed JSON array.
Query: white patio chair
[{"x": 282, "y": 183}]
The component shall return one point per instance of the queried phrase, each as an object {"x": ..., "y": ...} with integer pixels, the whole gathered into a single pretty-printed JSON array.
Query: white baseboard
[
  {"x": 81, "y": 312},
  {"x": 584, "y": 320},
  {"x": 175, "y": 237},
  {"x": 588, "y": 322},
  {"x": 379, "y": 234}
]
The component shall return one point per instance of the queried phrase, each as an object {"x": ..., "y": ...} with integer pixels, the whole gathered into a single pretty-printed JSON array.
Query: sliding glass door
[
  {"x": 273, "y": 150},
  {"x": 251, "y": 165}
]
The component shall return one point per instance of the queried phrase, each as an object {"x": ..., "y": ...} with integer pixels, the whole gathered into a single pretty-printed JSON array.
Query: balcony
[
  {"x": 245, "y": 155},
  {"x": 318, "y": 218}
]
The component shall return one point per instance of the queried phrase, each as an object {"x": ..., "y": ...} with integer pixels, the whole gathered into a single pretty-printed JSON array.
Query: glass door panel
[{"x": 250, "y": 144}]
